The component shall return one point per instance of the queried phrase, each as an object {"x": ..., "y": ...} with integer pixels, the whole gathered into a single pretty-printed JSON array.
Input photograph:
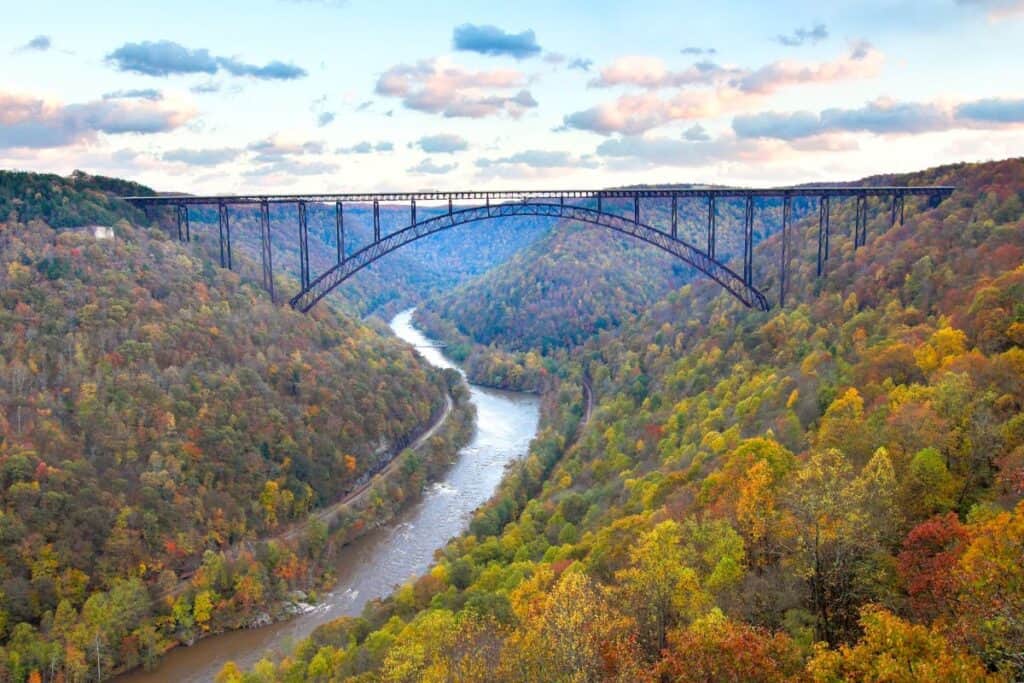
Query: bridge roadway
[{"x": 564, "y": 204}]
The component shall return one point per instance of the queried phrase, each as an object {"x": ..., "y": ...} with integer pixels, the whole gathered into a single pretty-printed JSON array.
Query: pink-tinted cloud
[
  {"x": 651, "y": 72},
  {"x": 436, "y": 87},
  {"x": 27, "y": 121},
  {"x": 635, "y": 114},
  {"x": 997, "y": 10},
  {"x": 863, "y": 61},
  {"x": 705, "y": 89}
]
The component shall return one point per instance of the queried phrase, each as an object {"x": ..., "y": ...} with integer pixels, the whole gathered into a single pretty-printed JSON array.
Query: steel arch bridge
[{"x": 559, "y": 204}]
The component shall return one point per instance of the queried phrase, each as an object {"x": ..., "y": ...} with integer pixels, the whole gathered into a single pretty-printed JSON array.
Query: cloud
[
  {"x": 435, "y": 87},
  {"x": 493, "y": 41},
  {"x": 32, "y": 122},
  {"x": 692, "y": 50},
  {"x": 325, "y": 119},
  {"x": 992, "y": 110},
  {"x": 658, "y": 151},
  {"x": 162, "y": 58},
  {"x": 149, "y": 94},
  {"x": 581, "y": 63},
  {"x": 862, "y": 61},
  {"x": 366, "y": 147},
  {"x": 800, "y": 36},
  {"x": 429, "y": 167},
  {"x": 272, "y": 149},
  {"x": 40, "y": 43},
  {"x": 287, "y": 168},
  {"x": 166, "y": 58},
  {"x": 205, "y": 88},
  {"x": 202, "y": 157},
  {"x": 444, "y": 143},
  {"x": 997, "y": 10},
  {"x": 533, "y": 163},
  {"x": 882, "y": 117},
  {"x": 704, "y": 90},
  {"x": 363, "y": 106},
  {"x": 651, "y": 72},
  {"x": 280, "y": 160},
  {"x": 272, "y": 71},
  {"x": 696, "y": 133},
  {"x": 782, "y": 126},
  {"x": 539, "y": 158}
]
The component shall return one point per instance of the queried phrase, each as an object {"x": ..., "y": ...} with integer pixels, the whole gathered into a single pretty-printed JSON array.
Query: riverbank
[
  {"x": 372, "y": 505},
  {"x": 329, "y": 514},
  {"x": 372, "y": 565},
  {"x": 487, "y": 365}
]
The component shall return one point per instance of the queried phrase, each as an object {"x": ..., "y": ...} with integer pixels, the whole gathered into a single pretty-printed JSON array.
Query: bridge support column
[
  {"x": 860, "y": 230},
  {"x": 339, "y": 231},
  {"x": 412, "y": 212},
  {"x": 748, "y": 242},
  {"x": 266, "y": 252},
  {"x": 303, "y": 246},
  {"x": 897, "y": 209},
  {"x": 599, "y": 202},
  {"x": 376, "y": 221},
  {"x": 449, "y": 206},
  {"x": 711, "y": 225},
  {"x": 787, "y": 209},
  {"x": 183, "y": 227},
  {"x": 224, "y": 234},
  {"x": 675, "y": 216},
  {"x": 823, "y": 233},
  {"x": 636, "y": 208}
]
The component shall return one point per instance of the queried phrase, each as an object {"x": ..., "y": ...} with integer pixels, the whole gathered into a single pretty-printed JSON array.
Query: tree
[
  {"x": 894, "y": 650},
  {"x": 569, "y": 633},
  {"x": 842, "y": 427},
  {"x": 927, "y": 564},
  {"x": 715, "y": 648},
  {"x": 658, "y": 587},
  {"x": 842, "y": 522},
  {"x": 990, "y": 599}
]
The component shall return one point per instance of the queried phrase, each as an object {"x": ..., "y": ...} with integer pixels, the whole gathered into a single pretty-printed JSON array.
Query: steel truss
[
  {"x": 541, "y": 203},
  {"x": 719, "y": 272}
]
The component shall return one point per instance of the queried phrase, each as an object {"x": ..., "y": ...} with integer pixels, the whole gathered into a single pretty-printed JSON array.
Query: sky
[{"x": 360, "y": 95}]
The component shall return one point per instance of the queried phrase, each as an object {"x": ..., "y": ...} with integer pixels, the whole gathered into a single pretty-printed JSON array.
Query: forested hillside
[
  {"x": 826, "y": 492},
  {"x": 156, "y": 407}
]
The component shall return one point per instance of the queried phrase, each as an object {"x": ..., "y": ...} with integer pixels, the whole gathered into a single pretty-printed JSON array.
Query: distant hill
[
  {"x": 80, "y": 199},
  {"x": 579, "y": 280}
]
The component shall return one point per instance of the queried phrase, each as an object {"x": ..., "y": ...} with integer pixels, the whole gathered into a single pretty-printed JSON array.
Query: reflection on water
[{"x": 374, "y": 564}]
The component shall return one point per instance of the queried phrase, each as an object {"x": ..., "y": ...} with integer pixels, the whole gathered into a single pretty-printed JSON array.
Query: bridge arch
[{"x": 717, "y": 271}]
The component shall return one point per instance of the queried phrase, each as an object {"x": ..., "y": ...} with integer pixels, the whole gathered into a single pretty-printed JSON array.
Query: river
[{"x": 373, "y": 565}]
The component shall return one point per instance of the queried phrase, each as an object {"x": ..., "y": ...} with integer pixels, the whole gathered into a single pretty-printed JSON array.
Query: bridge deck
[{"x": 630, "y": 193}]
